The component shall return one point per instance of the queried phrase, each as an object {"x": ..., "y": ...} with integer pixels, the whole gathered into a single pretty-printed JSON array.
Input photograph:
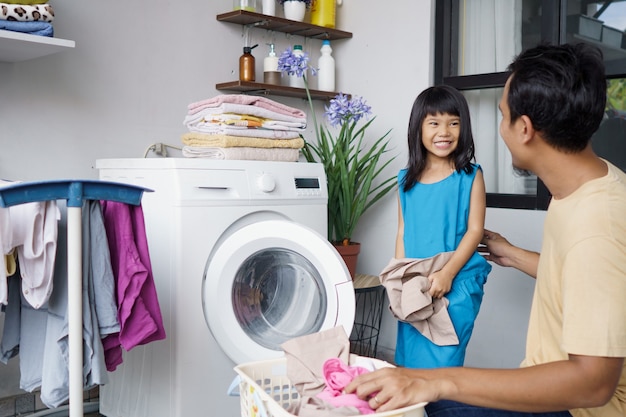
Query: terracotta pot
[{"x": 350, "y": 255}]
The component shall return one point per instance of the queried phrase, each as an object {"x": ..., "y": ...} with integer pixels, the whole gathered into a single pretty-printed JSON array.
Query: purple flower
[
  {"x": 294, "y": 64},
  {"x": 343, "y": 110}
]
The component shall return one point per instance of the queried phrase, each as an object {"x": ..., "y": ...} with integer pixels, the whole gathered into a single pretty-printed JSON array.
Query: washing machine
[{"x": 241, "y": 264}]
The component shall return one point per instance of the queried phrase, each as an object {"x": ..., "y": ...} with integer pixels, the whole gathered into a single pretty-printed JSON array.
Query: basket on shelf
[{"x": 265, "y": 390}]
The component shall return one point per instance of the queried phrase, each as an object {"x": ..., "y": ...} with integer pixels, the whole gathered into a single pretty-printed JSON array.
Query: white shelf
[{"x": 17, "y": 46}]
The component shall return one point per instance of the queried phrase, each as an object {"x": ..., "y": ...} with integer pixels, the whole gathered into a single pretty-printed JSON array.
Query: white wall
[{"x": 135, "y": 69}]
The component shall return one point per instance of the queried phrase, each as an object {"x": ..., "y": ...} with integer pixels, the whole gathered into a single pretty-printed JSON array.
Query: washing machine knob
[{"x": 266, "y": 183}]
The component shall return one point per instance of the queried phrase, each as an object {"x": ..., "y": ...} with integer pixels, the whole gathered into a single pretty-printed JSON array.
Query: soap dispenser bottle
[
  {"x": 246, "y": 64},
  {"x": 271, "y": 75}
]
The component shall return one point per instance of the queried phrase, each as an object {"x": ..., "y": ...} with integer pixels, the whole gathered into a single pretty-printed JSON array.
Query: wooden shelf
[
  {"x": 280, "y": 24},
  {"x": 18, "y": 46},
  {"x": 271, "y": 89}
]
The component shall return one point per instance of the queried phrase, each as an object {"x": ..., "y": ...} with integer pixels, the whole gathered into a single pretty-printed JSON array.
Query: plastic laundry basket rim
[{"x": 241, "y": 371}]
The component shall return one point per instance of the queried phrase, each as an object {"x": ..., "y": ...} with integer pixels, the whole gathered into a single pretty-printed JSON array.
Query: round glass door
[
  {"x": 270, "y": 281},
  {"x": 277, "y": 295}
]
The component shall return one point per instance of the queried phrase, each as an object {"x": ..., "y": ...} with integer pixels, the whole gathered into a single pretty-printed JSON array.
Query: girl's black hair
[{"x": 441, "y": 99}]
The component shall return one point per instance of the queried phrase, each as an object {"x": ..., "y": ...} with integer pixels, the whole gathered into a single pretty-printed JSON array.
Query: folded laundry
[
  {"x": 242, "y": 153},
  {"x": 32, "y": 28},
  {"x": 228, "y": 141},
  {"x": 256, "y": 101},
  {"x": 275, "y": 132},
  {"x": 25, "y": 1},
  {"x": 248, "y": 109},
  {"x": 26, "y": 12}
]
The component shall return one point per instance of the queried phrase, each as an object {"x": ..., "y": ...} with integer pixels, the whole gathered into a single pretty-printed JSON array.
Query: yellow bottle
[{"x": 323, "y": 13}]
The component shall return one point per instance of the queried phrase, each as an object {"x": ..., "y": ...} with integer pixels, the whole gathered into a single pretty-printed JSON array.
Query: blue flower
[
  {"x": 295, "y": 64},
  {"x": 344, "y": 110}
]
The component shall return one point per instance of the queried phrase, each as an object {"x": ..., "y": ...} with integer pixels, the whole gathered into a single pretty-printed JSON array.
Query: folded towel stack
[
  {"x": 235, "y": 126},
  {"x": 27, "y": 16}
]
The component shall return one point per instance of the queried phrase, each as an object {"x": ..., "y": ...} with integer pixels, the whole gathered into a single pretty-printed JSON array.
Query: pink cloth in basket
[{"x": 337, "y": 375}]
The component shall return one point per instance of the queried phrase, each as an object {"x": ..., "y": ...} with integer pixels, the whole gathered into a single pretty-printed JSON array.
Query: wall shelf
[
  {"x": 17, "y": 46},
  {"x": 280, "y": 24},
  {"x": 272, "y": 89}
]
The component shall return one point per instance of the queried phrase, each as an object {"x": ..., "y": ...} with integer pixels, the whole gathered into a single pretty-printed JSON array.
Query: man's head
[{"x": 562, "y": 90}]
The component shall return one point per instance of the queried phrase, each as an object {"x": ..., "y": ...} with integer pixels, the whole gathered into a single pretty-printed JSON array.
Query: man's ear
[{"x": 528, "y": 130}]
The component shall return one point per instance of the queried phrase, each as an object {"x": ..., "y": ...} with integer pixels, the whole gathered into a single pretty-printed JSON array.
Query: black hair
[
  {"x": 562, "y": 89},
  {"x": 441, "y": 99}
]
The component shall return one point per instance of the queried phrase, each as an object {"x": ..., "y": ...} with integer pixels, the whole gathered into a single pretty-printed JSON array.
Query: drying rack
[{"x": 75, "y": 192}]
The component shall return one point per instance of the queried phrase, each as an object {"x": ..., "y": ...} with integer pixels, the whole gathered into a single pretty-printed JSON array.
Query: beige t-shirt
[{"x": 579, "y": 305}]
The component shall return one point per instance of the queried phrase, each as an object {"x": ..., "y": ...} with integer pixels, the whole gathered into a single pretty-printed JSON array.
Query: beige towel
[
  {"x": 226, "y": 141},
  {"x": 407, "y": 285},
  {"x": 305, "y": 356},
  {"x": 242, "y": 153}
]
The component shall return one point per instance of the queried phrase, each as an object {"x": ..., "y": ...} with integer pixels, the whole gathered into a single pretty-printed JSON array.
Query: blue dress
[{"x": 435, "y": 220}]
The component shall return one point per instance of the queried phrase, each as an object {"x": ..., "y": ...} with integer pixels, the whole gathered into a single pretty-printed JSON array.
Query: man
[{"x": 552, "y": 103}]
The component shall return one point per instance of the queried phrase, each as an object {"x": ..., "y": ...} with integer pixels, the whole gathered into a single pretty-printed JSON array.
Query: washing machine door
[{"x": 270, "y": 281}]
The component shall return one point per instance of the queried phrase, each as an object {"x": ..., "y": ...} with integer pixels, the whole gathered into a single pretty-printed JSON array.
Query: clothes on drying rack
[
  {"x": 41, "y": 336},
  {"x": 31, "y": 231},
  {"x": 115, "y": 305},
  {"x": 139, "y": 312}
]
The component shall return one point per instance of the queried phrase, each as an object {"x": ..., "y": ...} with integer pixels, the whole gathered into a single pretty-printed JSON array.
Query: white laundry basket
[{"x": 265, "y": 390}]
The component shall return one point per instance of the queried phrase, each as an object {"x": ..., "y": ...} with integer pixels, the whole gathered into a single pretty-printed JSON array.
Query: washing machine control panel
[{"x": 308, "y": 186}]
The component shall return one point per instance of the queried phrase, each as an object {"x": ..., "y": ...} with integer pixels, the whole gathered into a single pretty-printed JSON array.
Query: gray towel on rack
[{"x": 99, "y": 313}]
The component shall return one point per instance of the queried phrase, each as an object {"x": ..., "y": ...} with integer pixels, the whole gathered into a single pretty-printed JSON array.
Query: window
[{"x": 475, "y": 42}]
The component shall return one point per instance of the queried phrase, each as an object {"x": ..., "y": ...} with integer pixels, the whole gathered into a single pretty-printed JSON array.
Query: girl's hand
[{"x": 440, "y": 284}]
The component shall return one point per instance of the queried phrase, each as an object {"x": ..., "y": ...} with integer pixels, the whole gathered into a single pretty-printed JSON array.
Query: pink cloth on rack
[
  {"x": 139, "y": 313},
  {"x": 337, "y": 375},
  {"x": 258, "y": 101}
]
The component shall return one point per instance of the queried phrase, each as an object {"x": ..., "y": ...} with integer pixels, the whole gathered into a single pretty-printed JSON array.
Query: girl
[{"x": 441, "y": 208}]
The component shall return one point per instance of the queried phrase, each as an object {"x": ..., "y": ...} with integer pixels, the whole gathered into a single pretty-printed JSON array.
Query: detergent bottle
[
  {"x": 323, "y": 13},
  {"x": 326, "y": 68}
]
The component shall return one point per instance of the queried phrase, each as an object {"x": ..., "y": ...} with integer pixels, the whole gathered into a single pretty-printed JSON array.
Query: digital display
[{"x": 307, "y": 183}]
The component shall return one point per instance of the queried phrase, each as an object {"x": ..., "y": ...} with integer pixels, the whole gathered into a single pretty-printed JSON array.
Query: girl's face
[{"x": 440, "y": 134}]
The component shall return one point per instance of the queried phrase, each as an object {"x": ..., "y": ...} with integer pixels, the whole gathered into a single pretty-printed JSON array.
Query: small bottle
[
  {"x": 247, "y": 5},
  {"x": 246, "y": 64},
  {"x": 323, "y": 13},
  {"x": 271, "y": 75},
  {"x": 294, "y": 80},
  {"x": 326, "y": 68}
]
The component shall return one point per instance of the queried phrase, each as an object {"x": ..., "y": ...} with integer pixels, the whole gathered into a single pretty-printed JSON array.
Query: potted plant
[
  {"x": 352, "y": 164},
  {"x": 295, "y": 9}
]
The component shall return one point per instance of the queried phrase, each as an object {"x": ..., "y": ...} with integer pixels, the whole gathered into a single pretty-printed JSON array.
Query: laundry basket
[{"x": 265, "y": 390}]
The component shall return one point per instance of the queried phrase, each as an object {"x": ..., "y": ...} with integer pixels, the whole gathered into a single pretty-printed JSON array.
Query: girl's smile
[{"x": 440, "y": 133}]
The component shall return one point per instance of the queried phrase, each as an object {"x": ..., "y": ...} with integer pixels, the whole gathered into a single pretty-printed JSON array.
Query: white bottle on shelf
[
  {"x": 294, "y": 80},
  {"x": 326, "y": 68}
]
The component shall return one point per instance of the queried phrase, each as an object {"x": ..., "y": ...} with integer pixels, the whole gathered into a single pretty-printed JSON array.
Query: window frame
[{"x": 447, "y": 14}]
